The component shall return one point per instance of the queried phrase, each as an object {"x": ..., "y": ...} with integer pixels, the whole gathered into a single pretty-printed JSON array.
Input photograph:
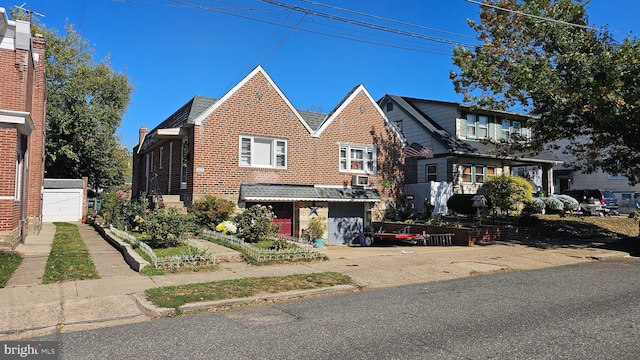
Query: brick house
[
  {"x": 22, "y": 130},
  {"x": 461, "y": 139},
  {"x": 253, "y": 147}
]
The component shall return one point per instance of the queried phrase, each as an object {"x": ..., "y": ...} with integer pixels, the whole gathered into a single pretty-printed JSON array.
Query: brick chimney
[{"x": 143, "y": 133}]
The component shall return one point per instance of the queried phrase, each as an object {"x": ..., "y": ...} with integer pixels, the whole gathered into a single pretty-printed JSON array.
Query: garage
[
  {"x": 62, "y": 200},
  {"x": 346, "y": 219}
]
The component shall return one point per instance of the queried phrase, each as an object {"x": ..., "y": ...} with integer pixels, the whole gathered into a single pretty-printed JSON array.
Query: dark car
[{"x": 604, "y": 197}]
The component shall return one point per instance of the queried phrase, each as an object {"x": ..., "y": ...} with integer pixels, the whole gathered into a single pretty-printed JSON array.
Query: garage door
[
  {"x": 61, "y": 205},
  {"x": 345, "y": 221}
]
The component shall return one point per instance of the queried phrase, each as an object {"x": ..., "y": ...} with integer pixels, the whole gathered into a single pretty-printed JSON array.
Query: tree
[
  {"x": 580, "y": 85},
  {"x": 85, "y": 105}
]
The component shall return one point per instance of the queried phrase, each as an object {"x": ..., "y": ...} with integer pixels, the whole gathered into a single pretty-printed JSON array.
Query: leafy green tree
[
  {"x": 507, "y": 192},
  {"x": 580, "y": 84},
  {"x": 85, "y": 104}
]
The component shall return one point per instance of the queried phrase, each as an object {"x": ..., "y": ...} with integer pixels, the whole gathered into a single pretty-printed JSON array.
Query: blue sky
[{"x": 172, "y": 51}]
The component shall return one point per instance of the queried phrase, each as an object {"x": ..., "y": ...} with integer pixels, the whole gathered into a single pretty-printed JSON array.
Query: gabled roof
[
  {"x": 360, "y": 89},
  {"x": 450, "y": 141},
  {"x": 186, "y": 114}
]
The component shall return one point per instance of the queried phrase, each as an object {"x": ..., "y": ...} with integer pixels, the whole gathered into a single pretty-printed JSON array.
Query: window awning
[{"x": 283, "y": 192}]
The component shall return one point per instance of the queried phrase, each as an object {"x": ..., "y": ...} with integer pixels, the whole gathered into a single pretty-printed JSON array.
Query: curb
[{"x": 154, "y": 312}]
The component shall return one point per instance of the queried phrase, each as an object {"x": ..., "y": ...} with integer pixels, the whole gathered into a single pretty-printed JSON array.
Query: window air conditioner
[{"x": 360, "y": 180}]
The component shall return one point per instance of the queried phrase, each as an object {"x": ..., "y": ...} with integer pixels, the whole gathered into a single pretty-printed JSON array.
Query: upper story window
[
  {"x": 477, "y": 126},
  {"x": 263, "y": 152},
  {"x": 357, "y": 158},
  {"x": 389, "y": 106}
]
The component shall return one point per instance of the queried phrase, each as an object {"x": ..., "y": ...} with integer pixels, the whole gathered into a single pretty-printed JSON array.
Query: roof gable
[
  {"x": 258, "y": 70},
  {"x": 346, "y": 101}
]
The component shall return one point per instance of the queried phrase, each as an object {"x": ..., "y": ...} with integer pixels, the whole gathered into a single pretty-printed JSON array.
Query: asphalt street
[{"x": 584, "y": 311}]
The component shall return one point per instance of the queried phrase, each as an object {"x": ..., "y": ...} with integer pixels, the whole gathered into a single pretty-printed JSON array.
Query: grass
[
  {"x": 8, "y": 264},
  {"x": 588, "y": 227},
  {"x": 69, "y": 258},
  {"x": 175, "y": 296}
]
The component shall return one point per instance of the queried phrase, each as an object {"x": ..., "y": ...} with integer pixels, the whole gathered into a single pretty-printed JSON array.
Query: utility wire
[
  {"x": 389, "y": 20},
  {"x": 319, "y": 32},
  {"x": 366, "y": 24},
  {"x": 540, "y": 17}
]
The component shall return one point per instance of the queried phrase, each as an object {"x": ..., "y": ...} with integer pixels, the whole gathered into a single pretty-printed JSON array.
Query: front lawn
[
  {"x": 8, "y": 264},
  {"x": 175, "y": 296}
]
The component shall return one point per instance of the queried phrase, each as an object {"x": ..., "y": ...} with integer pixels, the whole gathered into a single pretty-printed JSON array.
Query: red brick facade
[
  {"x": 22, "y": 115},
  {"x": 257, "y": 108}
]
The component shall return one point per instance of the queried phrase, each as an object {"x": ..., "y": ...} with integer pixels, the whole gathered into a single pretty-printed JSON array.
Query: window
[
  {"x": 516, "y": 127},
  {"x": 483, "y": 127},
  {"x": 389, "y": 106},
  {"x": 506, "y": 129},
  {"x": 355, "y": 158},
  {"x": 471, "y": 126},
  {"x": 616, "y": 177},
  {"x": 477, "y": 174},
  {"x": 467, "y": 173},
  {"x": 263, "y": 152},
  {"x": 160, "y": 157},
  {"x": 431, "y": 173}
]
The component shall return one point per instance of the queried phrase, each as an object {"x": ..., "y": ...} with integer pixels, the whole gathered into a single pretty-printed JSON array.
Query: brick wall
[{"x": 257, "y": 109}]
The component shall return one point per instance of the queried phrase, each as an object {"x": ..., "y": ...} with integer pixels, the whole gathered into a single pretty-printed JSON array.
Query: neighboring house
[
  {"x": 22, "y": 130},
  {"x": 566, "y": 178},
  {"x": 253, "y": 147},
  {"x": 459, "y": 137}
]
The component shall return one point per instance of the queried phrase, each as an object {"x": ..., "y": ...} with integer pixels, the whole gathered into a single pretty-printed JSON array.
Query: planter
[{"x": 318, "y": 242}]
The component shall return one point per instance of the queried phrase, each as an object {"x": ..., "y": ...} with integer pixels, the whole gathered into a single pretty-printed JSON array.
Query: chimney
[{"x": 143, "y": 133}]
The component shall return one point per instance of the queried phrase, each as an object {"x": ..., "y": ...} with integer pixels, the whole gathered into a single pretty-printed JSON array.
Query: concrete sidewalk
[{"x": 29, "y": 308}]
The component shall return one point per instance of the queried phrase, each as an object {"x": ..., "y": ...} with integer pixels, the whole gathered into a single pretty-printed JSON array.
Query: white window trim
[
  {"x": 274, "y": 152},
  {"x": 161, "y": 151},
  {"x": 183, "y": 175},
  {"x": 347, "y": 160},
  {"x": 427, "y": 173}
]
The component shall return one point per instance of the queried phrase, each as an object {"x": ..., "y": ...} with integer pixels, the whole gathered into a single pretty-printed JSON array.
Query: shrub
[
  {"x": 462, "y": 204},
  {"x": 553, "y": 204},
  {"x": 113, "y": 208},
  {"x": 166, "y": 227},
  {"x": 508, "y": 193},
  {"x": 256, "y": 223},
  {"x": 211, "y": 210},
  {"x": 568, "y": 203}
]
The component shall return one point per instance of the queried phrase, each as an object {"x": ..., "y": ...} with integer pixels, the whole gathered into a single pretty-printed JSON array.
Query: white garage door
[{"x": 62, "y": 205}]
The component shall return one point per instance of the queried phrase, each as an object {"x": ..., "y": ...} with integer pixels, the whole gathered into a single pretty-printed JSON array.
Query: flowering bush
[
  {"x": 256, "y": 223},
  {"x": 212, "y": 210},
  {"x": 167, "y": 226},
  {"x": 227, "y": 227}
]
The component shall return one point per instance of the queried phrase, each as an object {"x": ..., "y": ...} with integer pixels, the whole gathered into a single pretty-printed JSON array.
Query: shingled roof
[
  {"x": 456, "y": 145},
  {"x": 189, "y": 111}
]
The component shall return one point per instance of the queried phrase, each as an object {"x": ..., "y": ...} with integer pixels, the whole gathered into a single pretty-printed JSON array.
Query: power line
[
  {"x": 366, "y": 24},
  {"x": 319, "y": 32},
  {"x": 388, "y": 19},
  {"x": 539, "y": 17}
]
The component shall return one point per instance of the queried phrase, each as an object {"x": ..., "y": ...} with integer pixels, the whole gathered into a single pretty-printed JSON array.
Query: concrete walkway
[
  {"x": 35, "y": 252},
  {"x": 28, "y": 308}
]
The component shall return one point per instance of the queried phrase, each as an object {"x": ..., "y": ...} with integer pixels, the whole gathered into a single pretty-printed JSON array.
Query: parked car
[{"x": 604, "y": 197}]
